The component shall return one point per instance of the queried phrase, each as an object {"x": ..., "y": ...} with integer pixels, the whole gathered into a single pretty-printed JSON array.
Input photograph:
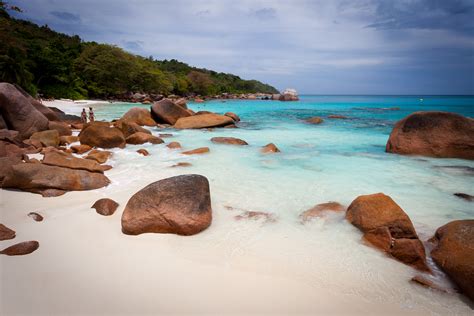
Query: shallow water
[{"x": 334, "y": 161}]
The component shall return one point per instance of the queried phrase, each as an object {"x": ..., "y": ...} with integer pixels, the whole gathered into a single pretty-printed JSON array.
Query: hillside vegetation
[{"x": 58, "y": 65}]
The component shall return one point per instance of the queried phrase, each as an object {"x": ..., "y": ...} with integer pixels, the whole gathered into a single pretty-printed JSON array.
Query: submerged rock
[
  {"x": 319, "y": 210},
  {"x": 465, "y": 196},
  {"x": 174, "y": 145},
  {"x": 337, "y": 116},
  {"x": 257, "y": 215},
  {"x": 229, "y": 140},
  {"x": 105, "y": 206},
  {"x": 203, "y": 121},
  {"x": 387, "y": 227},
  {"x": 182, "y": 164},
  {"x": 315, "y": 120},
  {"x": 454, "y": 252},
  {"x": 433, "y": 134},
  {"x": 165, "y": 111},
  {"x": 6, "y": 233},
  {"x": 197, "y": 151},
  {"x": 36, "y": 217},
  {"x": 270, "y": 148},
  {"x": 177, "y": 205},
  {"x": 52, "y": 180},
  {"x": 21, "y": 249}
]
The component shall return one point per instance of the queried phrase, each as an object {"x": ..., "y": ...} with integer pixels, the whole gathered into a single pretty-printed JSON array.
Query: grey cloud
[{"x": 66, "y": 16}]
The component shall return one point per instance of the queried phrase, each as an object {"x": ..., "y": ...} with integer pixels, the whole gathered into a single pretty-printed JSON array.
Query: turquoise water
[{"x": 334, "y": 161}]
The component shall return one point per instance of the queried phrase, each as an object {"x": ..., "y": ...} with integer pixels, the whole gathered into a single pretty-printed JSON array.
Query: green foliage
[{"x": 57, "y": 65}]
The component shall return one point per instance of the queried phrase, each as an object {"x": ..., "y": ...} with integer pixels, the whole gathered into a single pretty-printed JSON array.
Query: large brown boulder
[
  {"x": 62, "y": 159},
  {"x": 101, "y": 135},
  {"x": 47, "y": 138},
  {"x": 433, "y": 134},
  {"x": 139, "y": 116},
  {"x": 387, "y": 227},
  {"x": 178, "y": 205},
  {"x": 228, "y": 140},
  {"x": 204, "y": 121},
  {"x": 140, "y": 138},
  {"x": 165, "y": 111},
  {"x": 454, "y": 253},
  {"x": 18, "y": 113},
  {"x": 129, "y": 128},
  {"x": 52, "y": 180}
]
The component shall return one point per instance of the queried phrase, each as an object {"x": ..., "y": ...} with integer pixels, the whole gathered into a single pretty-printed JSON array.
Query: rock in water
[
  {"x": 174, "y": 145},
  {"x": 203, "y": 121},
  {"x": 35, "y": 216},
  {"x": 270, "y": 148},
  {"x": 454, "y": 253},
  {"x": 320, "y": 209},
  {"x": 18, "y": 113},
  {"x": 229, "y": 140},
  {"x": 100, "y": 156},
  {"x": 143, "y": 152},
  {"x": 41, "y": 178},
  {"x": 140, "y": 138},
  {"x": 130, "y": 128},
  {"x": 387, "y": 227},
  {"x": 101, "y": 135},
  {"x": 433, "y": 134},
  {"x": 105, "y": 206},
  {"x": 465, "y": 196},
  {"x": 21, "y": 249},
  {"x": 233, "y": 116},
  {"x": 165, "y": 111},
  {"x": 178, "y": 205},
  {"x": 6, "y": 233},
  {"x": 315, "y": 120},
  {"x": 197, "y": 151},
  {"x": 139, "y": 116}
]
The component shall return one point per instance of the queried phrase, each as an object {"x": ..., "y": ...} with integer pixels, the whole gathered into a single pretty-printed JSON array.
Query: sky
[{"x": 317, "y": 47}]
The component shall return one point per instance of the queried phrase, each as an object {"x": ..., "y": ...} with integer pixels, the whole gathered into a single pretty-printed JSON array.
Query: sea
[{"x": 337, "y": 160}]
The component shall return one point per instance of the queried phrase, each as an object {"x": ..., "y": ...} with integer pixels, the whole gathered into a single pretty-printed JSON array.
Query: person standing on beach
[
  {"x": 84, "y": 116},
  {"x": 91, "y": 115}
]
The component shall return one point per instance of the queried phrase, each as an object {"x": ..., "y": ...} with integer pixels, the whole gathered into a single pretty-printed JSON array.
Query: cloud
[
  {"x": 66, "y": 16},
  {"x": 324, "y": 46}
]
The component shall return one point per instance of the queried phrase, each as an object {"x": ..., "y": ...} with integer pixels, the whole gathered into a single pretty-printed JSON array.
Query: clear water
[{"x": 334, "y": 161}]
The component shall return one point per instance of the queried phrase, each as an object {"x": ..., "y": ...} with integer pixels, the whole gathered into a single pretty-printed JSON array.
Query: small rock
[
  {"x": 197, "y": 151},
  {"x": 139, "y": 138},
  {"x": 270, "y": 148},
  {"x": 341, "y": 117},
  {"x": 80, "y": 149},
  {"x": 105, "y": 206},
  {"x": 35, "y": 216},
  {"x": 143, "y": 152},
  {"x": 233, "y": 116},
  {"x": 315, "y": 120},
  {"x": 174, "y": 145},
  {"x": 164, "y": 135},
  {"x": 465, "y": 196},
  {"x": 229, "y": 140},
  {"x": 6, "y": 233},
  {"x": 20, "y": 249},
  {"x": 257, "y": 215},
  {"x": 182, "y": 164},
  {"x": 320, "y": 209},
  {"x": 101, "y": 156}
]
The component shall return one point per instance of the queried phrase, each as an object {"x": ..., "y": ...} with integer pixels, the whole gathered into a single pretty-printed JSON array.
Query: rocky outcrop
[
  {"x": 18, "y": 113},
  {"x": 433, "y": 134},
  {"x": 21, "y": 249},
  {"x": 178, "y": 205},
  {"x": 197, "y": 151},
  {"x": 101, "y": 135},
  {"x": 140, "y": 138},
  {"x": 387, "y": 227},
  {"x": 454, "y": 252},
  {"x": 47, "y": 138},
  {"x": 139, "y": 116},
  {"x": 229, "y": 141},
  {"x": 289, "y": 95},
  {"x": 52, "y": 180},
  {"x": 105, "y": 206},
  {"x": 62, "y": 159},
  {"x": 320, "y": 210},
  {"x": 6, "y": 233},
  {"x": 270, "y": 148},
  {"x": 165, "y": 111},
  {"x": 203, "y": 121}
]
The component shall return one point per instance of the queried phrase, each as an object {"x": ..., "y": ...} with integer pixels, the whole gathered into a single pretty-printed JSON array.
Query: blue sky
[{"x": 322, "y": 47}]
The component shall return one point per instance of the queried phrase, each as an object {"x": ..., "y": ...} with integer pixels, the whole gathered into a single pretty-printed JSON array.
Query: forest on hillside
[{"x": 52, "y": 64}]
